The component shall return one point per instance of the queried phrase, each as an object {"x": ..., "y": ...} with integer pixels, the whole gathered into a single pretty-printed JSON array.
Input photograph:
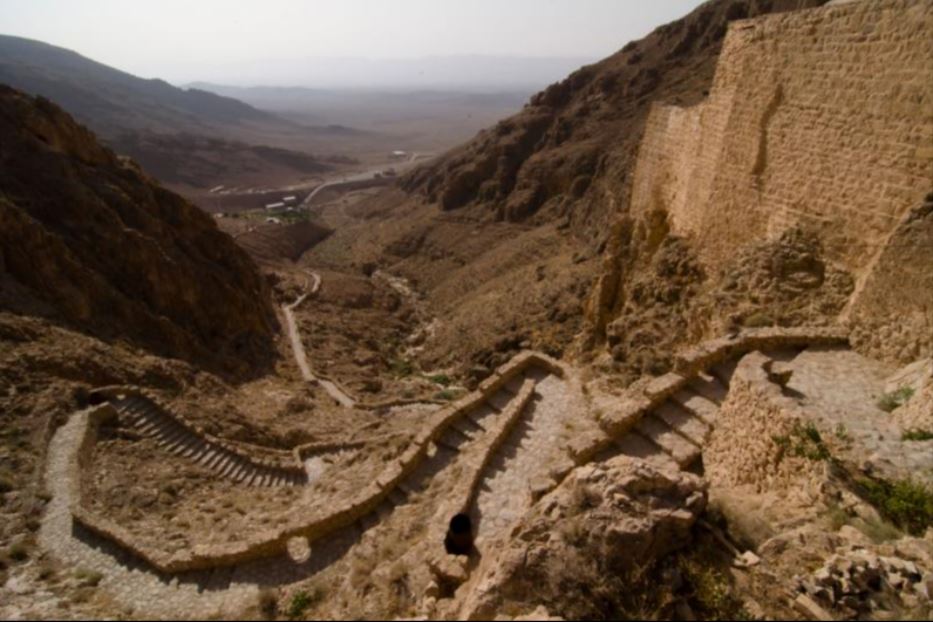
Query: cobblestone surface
[{"x": 839, "y": 389}]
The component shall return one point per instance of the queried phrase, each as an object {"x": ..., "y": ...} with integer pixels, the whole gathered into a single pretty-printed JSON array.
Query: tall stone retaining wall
[{"x": 822, "y": 117}]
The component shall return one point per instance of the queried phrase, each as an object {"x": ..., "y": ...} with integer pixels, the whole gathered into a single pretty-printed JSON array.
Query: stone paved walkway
[
  {"x": 528, "y": 455},
  {"x": 134, "y": 587},
  {"x": 839, "y": 389}
]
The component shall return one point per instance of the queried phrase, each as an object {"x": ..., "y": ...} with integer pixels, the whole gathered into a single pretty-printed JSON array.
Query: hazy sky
[{"x": 232, "y": 40}]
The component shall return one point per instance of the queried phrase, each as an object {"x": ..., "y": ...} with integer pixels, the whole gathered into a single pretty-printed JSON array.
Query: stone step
[
  {"x": 397, "y": 497},
  {"x": 195, "y": 448},
  {"x": 723, "y": 371},
  {"x": 218, "y": 459},
  {"x": 225, "y": 466},
  {"x": 445, "y": 442},
  {"x": 133, "y": 407},
  {"x": 172, "y": 439},
  {"x": 467, "y": 424},
  {"x": 514, "y": 385},
  {"x": 637, "y": 446},
  {"x": 179, "y": 439},
  {"x": 480, "y": 415},
  {"x": 677, "y": 447},
  {"x": 697, "y": 405},
  {"x": 242, "y": 472},
  {"x": 201, "y": 456},
  {"x": 463, "y": 430},
  {"x": 689, "y": 426},
  {"x": 238, "y": 469},
  {"x": 147, "y": 426},
  {"x": 457, "y": 434},
  {"x": 499, "y": 400},
  {"x": 709, "y": 387}
]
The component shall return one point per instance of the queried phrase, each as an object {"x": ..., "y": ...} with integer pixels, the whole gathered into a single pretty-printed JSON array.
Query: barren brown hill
[{"x": 90, "y": 241}]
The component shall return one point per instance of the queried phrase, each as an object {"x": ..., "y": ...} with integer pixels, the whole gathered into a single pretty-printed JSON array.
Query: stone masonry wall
[{"x": 821, "y": 117}]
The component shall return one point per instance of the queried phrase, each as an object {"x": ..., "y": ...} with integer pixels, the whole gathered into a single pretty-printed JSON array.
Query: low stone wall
[
  {"x": 89, "y": 422},
  {"x": 275, "y": 542},
  {"x": 757, "y": 428}
]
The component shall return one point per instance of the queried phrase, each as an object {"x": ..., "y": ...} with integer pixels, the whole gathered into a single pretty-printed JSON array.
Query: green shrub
[
  {"x": 268, "y": 603},
  {"x": 917, "y": 435},
  {"x": 709, "y": 591},
  {"x": 88, "y": 578},
  {"x": 804, "y": 441},
  {"x": 401, "y": 367},
  {"x": 440, "y": 379},
  {"x": 445, "y": 395},
  {"x": 895, "y": 399},
  {"x": 300, "y": 602},
  {"x": 842, "y": 433},
  {"x": 18, "y": 551},
  {"x": 906, "y": 503}
]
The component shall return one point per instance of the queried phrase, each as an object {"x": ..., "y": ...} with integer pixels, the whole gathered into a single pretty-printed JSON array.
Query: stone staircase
[
  {"x": 467, "y": 432},
  {"x": 675, "y": 431},
  {"x": 150, "y": 420}
]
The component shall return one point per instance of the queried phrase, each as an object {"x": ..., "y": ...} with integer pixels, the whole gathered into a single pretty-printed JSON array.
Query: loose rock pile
[{"x": 856, "y": 582}]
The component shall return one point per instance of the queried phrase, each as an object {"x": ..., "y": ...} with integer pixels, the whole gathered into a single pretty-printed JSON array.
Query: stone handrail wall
[
  {"x": 277, "y": 459},
  {"x": 650, "y": 394},
  {"x": 275, "y": 541},
  {"x": 744, "y": 450}
]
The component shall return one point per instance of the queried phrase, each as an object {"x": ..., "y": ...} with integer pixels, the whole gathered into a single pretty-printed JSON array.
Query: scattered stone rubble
[{"x": 856, "y": 581}]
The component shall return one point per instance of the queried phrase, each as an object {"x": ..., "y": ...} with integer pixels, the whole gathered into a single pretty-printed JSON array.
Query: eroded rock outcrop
[
  {"x": 89, "y": 241},
  {"x": 604, "y": 523}
]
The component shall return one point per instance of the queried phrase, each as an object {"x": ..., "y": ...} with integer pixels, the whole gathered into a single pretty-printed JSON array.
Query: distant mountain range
[
  {"x": 111, "y": 101},
  {"x": 135, "y": 116}
]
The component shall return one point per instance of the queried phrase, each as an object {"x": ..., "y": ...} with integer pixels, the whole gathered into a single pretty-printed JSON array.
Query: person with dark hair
[{"x": 459, "y": 538}]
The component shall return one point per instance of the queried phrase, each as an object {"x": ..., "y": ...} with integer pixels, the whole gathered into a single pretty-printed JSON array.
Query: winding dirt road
[{"x": 299, "y": 349}]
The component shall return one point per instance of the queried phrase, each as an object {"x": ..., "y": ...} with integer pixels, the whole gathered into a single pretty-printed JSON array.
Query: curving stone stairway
[
  {"x": 675, "y": 431},
  {"x": 150, "y": 420},
  {"x": 465, "y": 436}
]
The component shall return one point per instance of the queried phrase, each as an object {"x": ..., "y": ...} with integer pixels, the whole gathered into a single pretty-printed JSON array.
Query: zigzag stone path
[{"x": 497, "y": 449}]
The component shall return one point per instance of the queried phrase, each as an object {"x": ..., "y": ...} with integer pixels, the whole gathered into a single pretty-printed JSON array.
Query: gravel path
[
  {"x": 299, "y": 349},
  {"x": 129, "y": 583},
  {"x": 840, "y": 389}
]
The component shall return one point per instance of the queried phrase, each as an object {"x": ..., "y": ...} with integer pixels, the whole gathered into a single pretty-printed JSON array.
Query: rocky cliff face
[{"x": 88, "y": 240}]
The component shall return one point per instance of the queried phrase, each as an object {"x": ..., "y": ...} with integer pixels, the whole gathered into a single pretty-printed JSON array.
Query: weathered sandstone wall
[{"x": 821, "y": 117}]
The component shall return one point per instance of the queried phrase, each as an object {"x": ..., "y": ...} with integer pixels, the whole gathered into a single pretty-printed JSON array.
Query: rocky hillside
[
  {"x": 89, "y": 241},
  {"x": 569, "y": 155}
]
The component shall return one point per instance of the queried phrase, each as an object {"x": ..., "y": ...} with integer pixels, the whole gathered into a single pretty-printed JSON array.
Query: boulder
[{"x": 605, "y": 522}]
